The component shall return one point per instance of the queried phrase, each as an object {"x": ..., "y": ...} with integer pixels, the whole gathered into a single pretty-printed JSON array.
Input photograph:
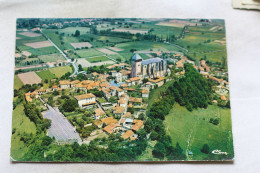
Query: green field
[
  {"x": 117, "y": 56},
  {"x": 51, "y": 57},
  {"x": 192, "y": 130},
  {"x": 17, "y": 82},
  {"x": 147, "y": 46},
  {"x": 84, "y": 53},
  {"x": 60, "y": 71},
  {"x": 45, "y": 74},
  {"x": 22, "y": 124},
  {"x": 98, "y": 59},
  {"x": 41, "y": 51}
]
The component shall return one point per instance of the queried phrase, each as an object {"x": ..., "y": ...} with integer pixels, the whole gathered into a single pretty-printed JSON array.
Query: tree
[
  {"x": 77, "y": 33},
  {"x": 69, "y": 105},
  {"x": 131, "y": 110},
  {"x": 154, "y": 135},
  {"x": 159, "y": 150},
  {"x": 141, "y": 116},
  {"x": 80, "y": 67},
  {"x": 205, "y": 149},
  {"x": 141, "y": 134}
]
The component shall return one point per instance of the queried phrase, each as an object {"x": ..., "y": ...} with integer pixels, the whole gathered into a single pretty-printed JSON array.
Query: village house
[
  {"x": 74, "y": 83},
  {"x": 112, "y": 128},
  {"x": 135, "y": 101},
  {"x": 119, "y": 92},
  {"x": 64, "y": 84},
  {"x": 86, "y": 100},
  {"x": 98, "y": 123},
  {"x": 109, "y": 120},
  {"x": 99, "y": 113},
  {"x": 119, "y": 111},
  {"x": 129, "y": 134},
  {"x": 159, "y": 81},
  {"x": 135, "y": 80},
  {"x": 145, "y": 93},
  {"x": 138, "y": 125}
]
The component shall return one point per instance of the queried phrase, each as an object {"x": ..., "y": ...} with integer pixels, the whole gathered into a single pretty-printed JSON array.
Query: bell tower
[{"x": 136, "y": 65}]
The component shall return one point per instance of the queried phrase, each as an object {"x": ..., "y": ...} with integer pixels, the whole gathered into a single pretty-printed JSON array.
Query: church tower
[{"x": 136, "y": 65}]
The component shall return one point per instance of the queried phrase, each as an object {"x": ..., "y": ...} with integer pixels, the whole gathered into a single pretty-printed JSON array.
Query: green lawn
[
  {"x": 60, "y": 71},
  {"x": 51, "y": 57},
  {"x": 98, "y": 59},
  {"x": 17, "y": 82},
  {"x": 84, "y": 53},
  {"x": 22, "y": 124},
  {"x": 192, "y": 130},
  {"x": 45, "y": 74}
]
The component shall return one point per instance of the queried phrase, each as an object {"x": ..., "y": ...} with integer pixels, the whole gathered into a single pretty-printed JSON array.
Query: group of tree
[
  {"x": 193, "y": 90},
  {"x": 34, "y": 114},
  {"x": 163, "y": 148},
  {"x": 69, "y": 105},
  {"x": 117, "y": 150},
  {"x": 162, "y": 107}
]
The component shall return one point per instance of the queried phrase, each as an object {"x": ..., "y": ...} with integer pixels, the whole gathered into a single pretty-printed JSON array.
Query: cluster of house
[{"x": 127, "y": 126}]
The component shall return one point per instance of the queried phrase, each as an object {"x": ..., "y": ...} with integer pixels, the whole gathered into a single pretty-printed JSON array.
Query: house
[
  {"x": 135, "y": 80},
  {"x": 138, "y": 125},
  {"x": 119, "y": 92},
  {"x": 41, "y": 91},
  {"x": 128, "y": 82},
  {"x": 119, "y": 111},
  {"x": 113, "y": 90},
  {"x": 64, "y": 84},
  {"x": 98, "y": 123},
  {"x": 159, "y": 81},
  {"x": 54, "y": 87},
  {"x": 109, "y": 120},
  {"x": 98, "y": 113},
  {"x": 135, "y": 101},
  {"x": 86, "y": 100},
  {"x": 112, "y": 128},
  {"x": 128, "y": 134},
  {"x": 122, "y": 103},
  {"x": 28, "y": 97},
  {"x": 74, "y": 83},
  {"x": 222, "y": 97},
  {"x": 145, "y": 93}
]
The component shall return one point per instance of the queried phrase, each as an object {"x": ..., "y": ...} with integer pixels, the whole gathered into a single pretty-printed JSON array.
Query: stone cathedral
[{"x": 151, "y": 68}]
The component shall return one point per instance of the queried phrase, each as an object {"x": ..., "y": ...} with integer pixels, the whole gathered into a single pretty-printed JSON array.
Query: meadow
[
  {"x": 84, "y": 53},
  {"x": 97, "y": 59},
  {"x": 192, "y": 130},
  {"x": 60, "y": 71},
  {"x": 45, "y": 74}
]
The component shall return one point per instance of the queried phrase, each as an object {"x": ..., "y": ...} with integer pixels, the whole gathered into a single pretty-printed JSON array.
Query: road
[{"x": 63, "y": 54}]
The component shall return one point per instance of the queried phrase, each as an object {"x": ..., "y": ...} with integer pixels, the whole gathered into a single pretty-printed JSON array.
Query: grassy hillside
[
  {"x": 192, "y": 130},
  {"x": 21, "y": 124}
]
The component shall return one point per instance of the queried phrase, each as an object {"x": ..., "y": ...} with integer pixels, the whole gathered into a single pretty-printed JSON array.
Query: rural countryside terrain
[{"x": 121, "y": 89}]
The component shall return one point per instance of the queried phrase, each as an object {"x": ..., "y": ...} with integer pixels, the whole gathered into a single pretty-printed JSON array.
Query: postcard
[{"x": 121, "y": 90}]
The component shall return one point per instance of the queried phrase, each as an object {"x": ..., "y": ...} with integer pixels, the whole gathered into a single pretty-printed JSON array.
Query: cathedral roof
[
  {"x": 152, "y": 60},
  {"x": 136, "y": 57}
]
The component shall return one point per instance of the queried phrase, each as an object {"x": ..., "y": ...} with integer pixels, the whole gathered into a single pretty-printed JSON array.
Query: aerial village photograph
[{"x": 121, "y": 90}]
